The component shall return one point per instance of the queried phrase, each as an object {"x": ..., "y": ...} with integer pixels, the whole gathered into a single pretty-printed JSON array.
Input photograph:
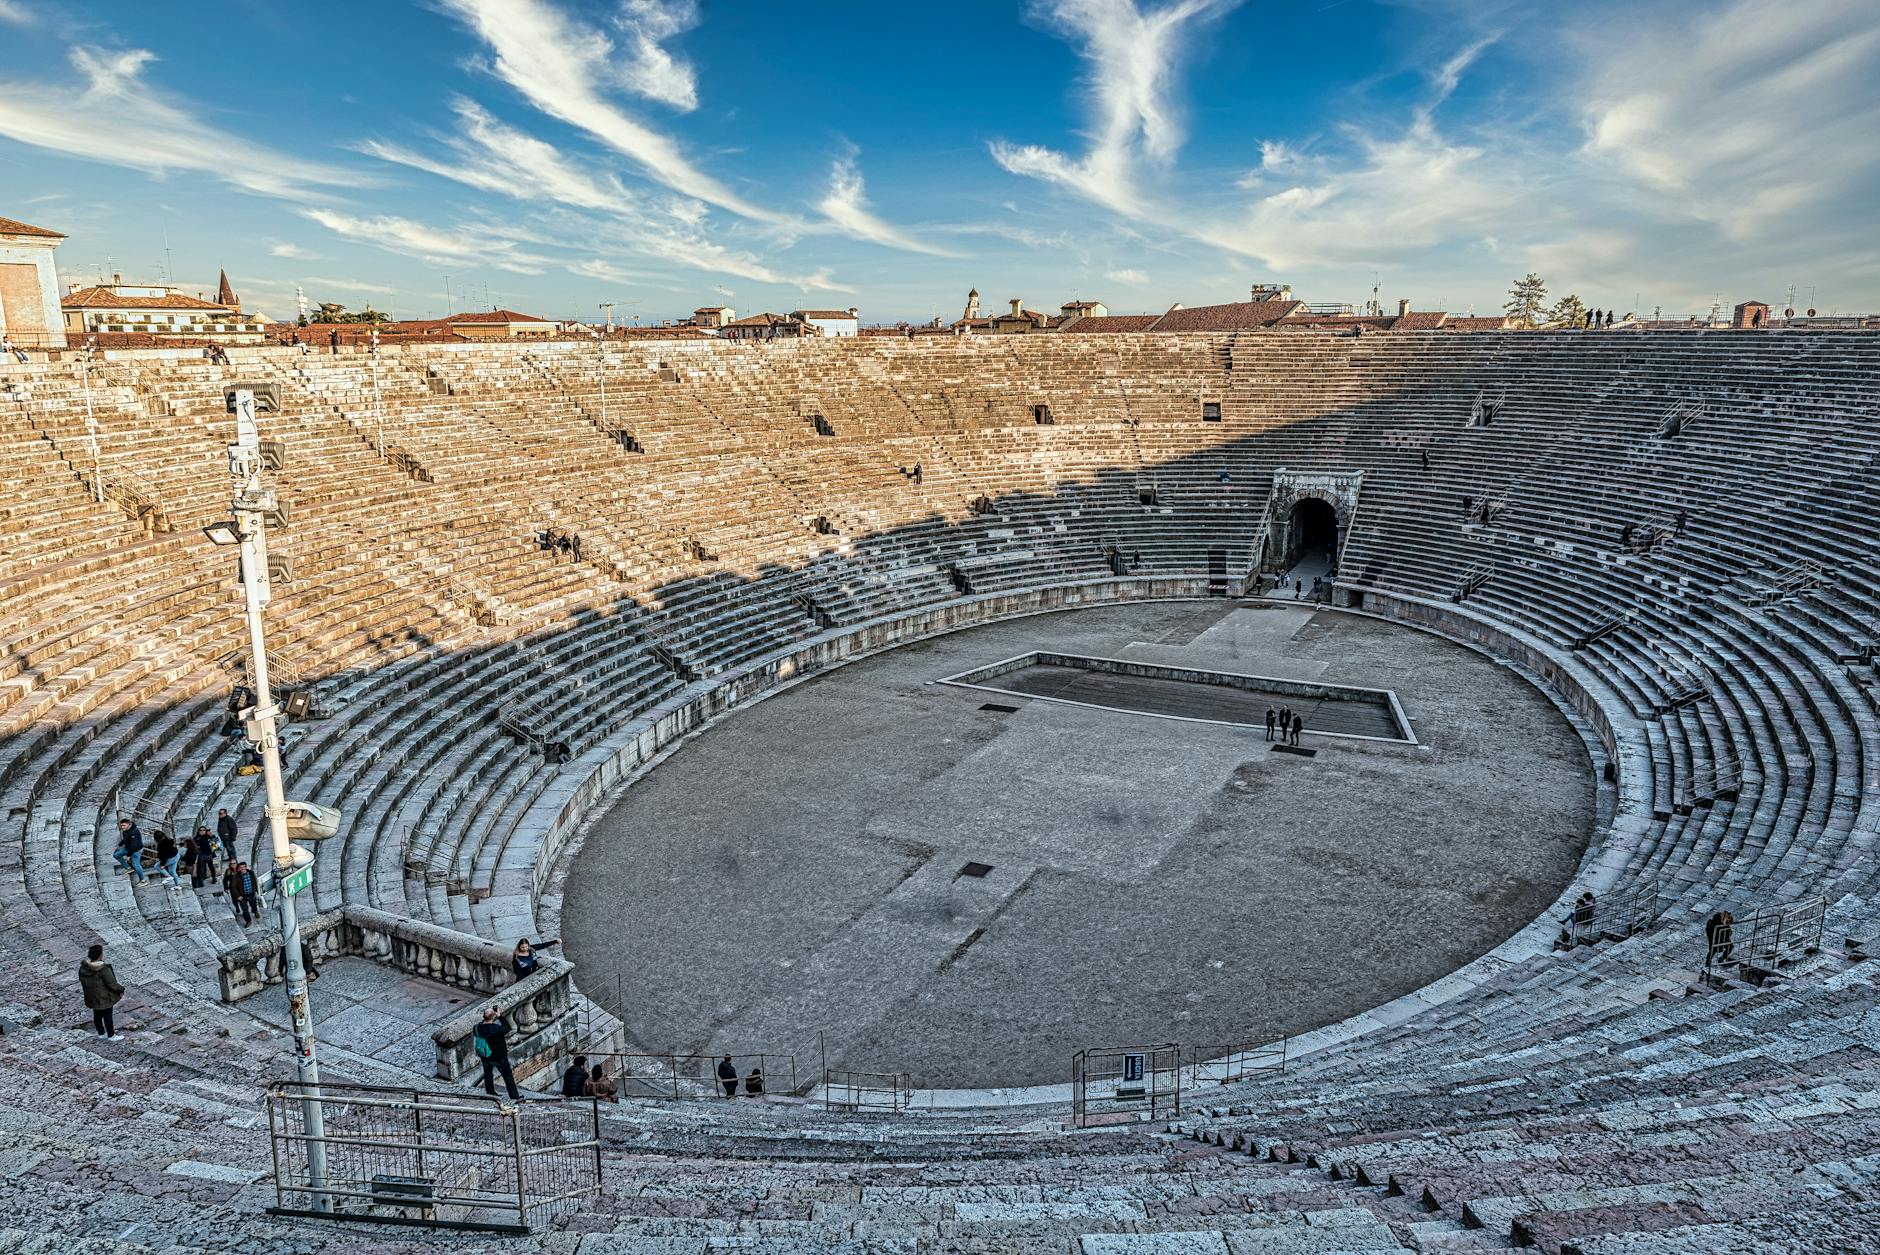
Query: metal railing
[
  {"x": 845, "y": 1089},
  {"x": 652, "y": 1075},
  {"x": 1618, "y": 914},
  {"x": 448, "y": 1160},
  {"x": 1773, "y": 937},
  {"x": 1224, "y": 1065},
  {"x": 1111, "y": 1080}
]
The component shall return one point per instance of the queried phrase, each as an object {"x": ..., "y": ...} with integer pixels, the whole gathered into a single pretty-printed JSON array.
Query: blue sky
[{"x": 666, "y": 154}]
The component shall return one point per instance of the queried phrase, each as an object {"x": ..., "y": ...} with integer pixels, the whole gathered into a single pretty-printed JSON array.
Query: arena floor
[{"x": 795, "y": 870}]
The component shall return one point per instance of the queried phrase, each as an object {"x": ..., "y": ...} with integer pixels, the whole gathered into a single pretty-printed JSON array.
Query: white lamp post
[{"x": 253, "y": 500}]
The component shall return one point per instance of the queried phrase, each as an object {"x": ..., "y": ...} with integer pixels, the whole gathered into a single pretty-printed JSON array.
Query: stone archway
[{"x": 1328, "y": 499}]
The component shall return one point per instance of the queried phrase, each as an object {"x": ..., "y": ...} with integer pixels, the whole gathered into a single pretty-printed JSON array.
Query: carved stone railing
[{"x": 540, "y": 1010}]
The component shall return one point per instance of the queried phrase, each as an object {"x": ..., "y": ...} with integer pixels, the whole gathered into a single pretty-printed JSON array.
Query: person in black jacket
[
  {"x": 574, "y": 1080},
  {"x": 101, "y": 989},
  {"x": 728, "y": 1076},
  {"x": 129, "y": 854},
  {"x": 225, "y": 831},
  {"x": 202, "y": 858},
  {"x": 492, "y": 1047}
]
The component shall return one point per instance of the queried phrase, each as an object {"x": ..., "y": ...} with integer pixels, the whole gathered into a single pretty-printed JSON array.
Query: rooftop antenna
[
  {"x": 1374, "y": 309},
  {"x": 448, "y": 307},
  {"x": 169, "y": 271}
]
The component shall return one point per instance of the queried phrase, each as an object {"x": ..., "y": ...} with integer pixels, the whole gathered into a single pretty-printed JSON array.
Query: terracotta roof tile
[
  {"x": 13, "y": 226},
  {"x": 1112, "y": 322},
  {"x": 824, "y": 313},
  {"x": 105, "y": 298},
  {"x": 494, "y": 315},
  {"x": 1238, "y": 316}
]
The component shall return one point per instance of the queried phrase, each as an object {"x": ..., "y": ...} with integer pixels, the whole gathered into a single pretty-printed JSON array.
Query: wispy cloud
[
  {"x": 283, "y": 249},
  {"x": 560, "y": 67},
  {"x": 440, "y": 246},
  {"x": 351, "y": 285},
  {"x": 494, "y": 157},
  {"x": 115, "y": 116},
  {"x": 646, "y": 68},
  {"x": 846, "y": 205},
  {"x": 1131, "y": 57},
  {"x": 1742, "y": 114},
  {"x": 1129, "y": 277},
  {"x": 15, "y": 13}
]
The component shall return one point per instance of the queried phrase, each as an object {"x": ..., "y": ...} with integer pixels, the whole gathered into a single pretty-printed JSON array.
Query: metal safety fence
[
  {"x": 1223, "y": 1065},
  {"x": 845, "y": 1089},
  {"x": 448, "y": 1160},
  {"x": 1772, "y": 937},
  {"x": 1111, "y": 1080}
]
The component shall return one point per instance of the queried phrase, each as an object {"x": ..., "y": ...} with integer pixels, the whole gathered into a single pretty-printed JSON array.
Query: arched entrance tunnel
[{"x": 1312, "y": 533}]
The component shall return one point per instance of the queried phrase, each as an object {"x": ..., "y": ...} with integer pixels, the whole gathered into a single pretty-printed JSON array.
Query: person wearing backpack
[{"x": 491, "y": 1042}]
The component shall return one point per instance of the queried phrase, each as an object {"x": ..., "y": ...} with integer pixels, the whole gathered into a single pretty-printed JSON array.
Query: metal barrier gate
[
  {"x": 1223, "y": 1065},
  {"x": 421, "y": 1157},
  {"x": 1771, "y": 937},
  {"x": 845, "y": 1089},
  {"x": 1110, "y": 1079}
]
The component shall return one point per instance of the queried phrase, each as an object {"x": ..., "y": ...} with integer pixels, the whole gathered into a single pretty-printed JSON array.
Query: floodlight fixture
[{"x": 223, "y": 532}]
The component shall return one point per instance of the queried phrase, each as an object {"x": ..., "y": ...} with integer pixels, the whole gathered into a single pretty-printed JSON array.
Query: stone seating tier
[{"x": 1603, "y": 1099}]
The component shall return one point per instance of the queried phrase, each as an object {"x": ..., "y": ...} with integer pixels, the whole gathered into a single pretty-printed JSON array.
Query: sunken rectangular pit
[{"x": 1150, "y": 688}]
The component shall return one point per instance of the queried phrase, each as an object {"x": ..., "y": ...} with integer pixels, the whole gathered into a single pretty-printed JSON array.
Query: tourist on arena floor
[
  {"x": 754, "y": 1082},
  {"x": 1271, "y": 717},
  {"x": 1285, "y": 721},
  {"x": 129, "y": 854},
  {"x": 225, "y": 831},
  {"x": 598, "y": 1086},
  {"x": 574, "y": 1080},
  {"x": 100, "y": 986},
  {"x": 523, "y": 960},
  {"x": 167, "y": 855},
  {"x": 728, "y": 1076},
  {"x": 1298, "y": 726},
  {"x": 492, "y": 1047}
]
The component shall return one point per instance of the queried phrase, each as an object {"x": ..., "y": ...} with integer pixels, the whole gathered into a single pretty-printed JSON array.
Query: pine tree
[
  {"x": 1526, "y": 299},
  {"x": 1568, "y": 311}
]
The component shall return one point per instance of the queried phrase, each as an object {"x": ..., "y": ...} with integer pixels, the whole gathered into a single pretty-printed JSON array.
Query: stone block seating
[{"x": 779, "y": 508}]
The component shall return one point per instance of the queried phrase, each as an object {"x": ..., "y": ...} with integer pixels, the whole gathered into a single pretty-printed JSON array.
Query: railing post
[{"x": 522, "y": 1183}]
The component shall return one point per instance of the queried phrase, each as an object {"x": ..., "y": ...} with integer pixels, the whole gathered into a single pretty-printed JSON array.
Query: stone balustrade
[{"x": 540, "y": 1010}]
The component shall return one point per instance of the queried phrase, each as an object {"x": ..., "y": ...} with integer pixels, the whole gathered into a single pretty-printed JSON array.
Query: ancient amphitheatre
[{"x": 1675, "y": 571}]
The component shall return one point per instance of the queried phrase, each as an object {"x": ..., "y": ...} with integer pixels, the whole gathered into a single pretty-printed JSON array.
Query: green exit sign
[{"x": 297, "y": 880}]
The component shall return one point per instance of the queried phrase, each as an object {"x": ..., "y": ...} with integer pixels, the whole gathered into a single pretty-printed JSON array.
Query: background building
[
  {"x": 157, "y": 310},
  {"x": 831, "y": 322},
  {"x": 29, "y": 286}
]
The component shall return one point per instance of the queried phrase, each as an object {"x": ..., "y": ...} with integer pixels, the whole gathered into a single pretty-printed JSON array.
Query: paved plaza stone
[{"x": 790, "y": 880}]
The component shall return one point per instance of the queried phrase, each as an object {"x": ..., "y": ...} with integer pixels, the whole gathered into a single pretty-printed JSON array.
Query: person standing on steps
[
  {"x": 100, "y": 986},
  {"x": 492, "y": 1047},
  {"x": 225, "y": 832},
  {"x": 167, "y": 855},
  {"x": 129, "y": 854},
  {"x": 1271, "y": 718},
  {"x": 728, "y": 1076}
]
